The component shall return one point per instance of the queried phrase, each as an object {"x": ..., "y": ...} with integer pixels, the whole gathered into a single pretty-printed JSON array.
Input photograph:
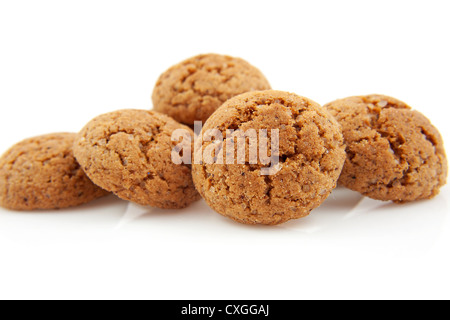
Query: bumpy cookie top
[
  {"x": 42, "y": 173},
  {"x": 195, "y": 88},
  {"x": 393, "y": 152},
  {"x": 128, "y": 152},
  {"x": 311, "y": 155}
]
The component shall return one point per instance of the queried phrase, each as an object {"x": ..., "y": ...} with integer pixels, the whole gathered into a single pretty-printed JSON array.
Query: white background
[{"x": 64, "y": 62}]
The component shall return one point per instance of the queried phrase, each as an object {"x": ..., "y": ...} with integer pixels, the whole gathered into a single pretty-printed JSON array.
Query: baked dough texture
[
  {"x": 42, "y": 173},
  {"x": 393, "y": 152},
  {"x": 311, "y": 156},
  {"x": 128, "y": 152},
  {"x": 193, "y": 89}
]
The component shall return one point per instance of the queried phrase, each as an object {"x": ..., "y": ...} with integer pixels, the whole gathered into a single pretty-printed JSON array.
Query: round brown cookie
[
  {"x": 393, "y": 152},
  {"x": 311, "y": 155},
  {"x": 42, "y": 173},
  {"x": 193, "y": 89},
  {"x": 128, "y": 152}
]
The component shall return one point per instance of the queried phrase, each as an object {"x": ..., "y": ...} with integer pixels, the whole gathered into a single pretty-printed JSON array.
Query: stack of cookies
[{"x": 259, "y": 156}]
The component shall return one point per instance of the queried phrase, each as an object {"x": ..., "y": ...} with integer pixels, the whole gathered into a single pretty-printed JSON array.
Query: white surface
[{"x": 62, "y": 63}]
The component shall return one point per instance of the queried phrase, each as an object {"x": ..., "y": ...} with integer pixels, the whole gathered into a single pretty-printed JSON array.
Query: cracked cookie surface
[
  {"x": 393, "y": 152},
  {"x": 128, "y": 152},
  {"x": 311, "y": 155},
  {"x": 42, "y": 173},
  {"x": 193, "y": 89}
]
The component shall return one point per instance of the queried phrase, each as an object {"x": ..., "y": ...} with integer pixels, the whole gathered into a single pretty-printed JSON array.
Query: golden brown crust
[
  {"x": 42, "y": 173},
  {"x": 193, "y": 89},
  {"x": 128, "y": 152},
  {"x": 393, "y": 152},
  {"x": 311, "y": 156}
]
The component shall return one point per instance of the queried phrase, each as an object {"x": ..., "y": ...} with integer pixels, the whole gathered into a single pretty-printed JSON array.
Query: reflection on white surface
[
  {"x": 133, "y": 212},
  {"x": 113, "y": 245},
  {"x": 353, "y": 221},
  {"x": 345, "y": 219}
]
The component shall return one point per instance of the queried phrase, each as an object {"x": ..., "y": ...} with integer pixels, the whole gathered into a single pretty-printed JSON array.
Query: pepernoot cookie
[
  {"x": 42, "y": 173},
  {"x": 310, "y": 158},
  {"x": 193, "y": 89},
  {"x": 128, "y": 152},
  {"x": 393, "y": 152}
]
